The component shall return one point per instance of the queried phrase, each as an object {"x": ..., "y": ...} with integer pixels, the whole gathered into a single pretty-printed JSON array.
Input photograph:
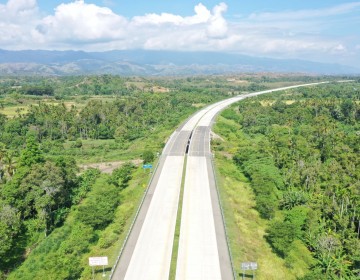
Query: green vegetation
[
  {"x": 52, "y": 217},
  {"x": 298, "y": 152}
]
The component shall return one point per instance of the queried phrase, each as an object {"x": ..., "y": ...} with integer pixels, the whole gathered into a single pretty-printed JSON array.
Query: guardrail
[
  {"x": 134, "y": 220},
  {"x": 223, "y": 216}
]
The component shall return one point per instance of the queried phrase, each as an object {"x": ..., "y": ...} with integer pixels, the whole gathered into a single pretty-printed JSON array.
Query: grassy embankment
[{"x": 245, "y": 228}]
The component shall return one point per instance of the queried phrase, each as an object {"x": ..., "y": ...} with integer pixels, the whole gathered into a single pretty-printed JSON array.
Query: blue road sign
[{"x": 146, "y": 166}]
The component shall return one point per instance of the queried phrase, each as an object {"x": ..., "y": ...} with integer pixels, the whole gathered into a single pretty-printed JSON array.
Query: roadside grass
[
  {"x": 112, "y": 238},
  {"x": 245, "y": 228}
]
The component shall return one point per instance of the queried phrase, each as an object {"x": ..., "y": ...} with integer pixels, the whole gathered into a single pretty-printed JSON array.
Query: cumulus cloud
[
  {"x": 18, "y": 11},
  {"x": 81, "y": 22},
  {"x": 17, "y": 18},
  {"x": 218, "y": 25},
  {"x": 202, "y": 16},
  {"x": 18, "y": 8}
]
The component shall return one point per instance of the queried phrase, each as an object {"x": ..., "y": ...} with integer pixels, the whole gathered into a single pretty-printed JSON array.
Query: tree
[
  {"x": 44, "y": 190},
  {"x": 98, "y": 212},
  {"x": 10, "y": 225},
  {"x": 148, "y": 156},
  {"x": 32, "y": 154},
  {"x": 120, "y": 177}
]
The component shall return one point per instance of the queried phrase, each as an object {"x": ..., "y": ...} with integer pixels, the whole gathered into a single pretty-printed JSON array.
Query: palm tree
[
  {"x": 9, "y": 164},
  {"x": 2, "y": 157}
]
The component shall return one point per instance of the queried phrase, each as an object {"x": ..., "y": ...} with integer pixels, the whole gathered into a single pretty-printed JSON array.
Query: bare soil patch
[{"x": 107, "y": 167}]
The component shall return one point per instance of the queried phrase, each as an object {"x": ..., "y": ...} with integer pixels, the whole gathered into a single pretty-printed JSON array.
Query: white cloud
[
  {"x": 81, "y": 22},
  {"x": 202, "y": 15},
  {"x": 79, "y": 25},
  {"x": 339, "y": 48},
  {"x": 17, "y": 19},
  {"x": 17, "y": 11},
  {"x": 218, "y": 26},
  {"x": 306, "y": 14}
]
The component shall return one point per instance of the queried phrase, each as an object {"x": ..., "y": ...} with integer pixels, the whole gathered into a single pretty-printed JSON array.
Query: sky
[{"x": 324, "y": 31}]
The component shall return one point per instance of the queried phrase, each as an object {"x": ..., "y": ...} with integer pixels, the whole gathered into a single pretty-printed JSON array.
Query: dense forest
[
  {"x": 300, "y": 152},
  {"x": 52, "y": 216}
]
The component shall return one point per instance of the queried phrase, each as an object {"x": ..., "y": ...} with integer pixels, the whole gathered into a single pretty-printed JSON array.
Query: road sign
[
  {"x": 248, "y": 266},
  {"x": 245, "y": 266},
  {"x": 147, "y": 166},
  {"x": 98, "y": 261},
  {"x": 253, "y": 265}
]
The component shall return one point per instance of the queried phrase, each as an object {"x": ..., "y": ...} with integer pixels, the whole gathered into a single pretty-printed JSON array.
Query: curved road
[{"x": 203, "y": 251}]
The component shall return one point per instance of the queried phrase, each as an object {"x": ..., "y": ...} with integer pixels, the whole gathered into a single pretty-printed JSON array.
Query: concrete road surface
[{"x": 203, "y": 252}]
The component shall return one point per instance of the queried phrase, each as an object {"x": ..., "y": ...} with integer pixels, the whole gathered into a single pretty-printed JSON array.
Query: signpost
[
  {"x": 147, "y": 166},
  {"x": 98, "y": 261},
  {"x": 249, "y": 266}
]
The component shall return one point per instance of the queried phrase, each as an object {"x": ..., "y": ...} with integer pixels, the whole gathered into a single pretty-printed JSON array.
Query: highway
[{"x": 203, "y": 252}]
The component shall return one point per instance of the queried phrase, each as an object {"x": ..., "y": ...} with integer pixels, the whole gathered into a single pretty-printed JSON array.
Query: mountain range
[{"x": 159, "y": 63}]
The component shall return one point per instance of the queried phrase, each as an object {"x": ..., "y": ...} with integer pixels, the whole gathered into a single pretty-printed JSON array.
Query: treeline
[
  {"x": 300, "y": 152},
  {"x": 124, "y": 119},
  {"x": 41, "y": 90},
  {"x": 63, "y": 87}
]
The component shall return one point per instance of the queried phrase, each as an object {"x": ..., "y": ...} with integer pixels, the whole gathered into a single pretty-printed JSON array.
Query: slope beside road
[{"x": 203, "y": 252}]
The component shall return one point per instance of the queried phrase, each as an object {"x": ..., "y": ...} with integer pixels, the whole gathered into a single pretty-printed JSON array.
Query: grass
[
  {"x": 245, "y": 228},
  {"x": 13, "y": 106},
  {"x": 13, "y": 111},
  {"x": 109, "y": 150}
]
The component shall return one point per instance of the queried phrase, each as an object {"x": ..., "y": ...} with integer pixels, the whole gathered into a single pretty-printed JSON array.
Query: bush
[
  {"x": 99, "y": 211},
  {"x": 280, "y": 235},
  {"x": 120, "y": 177},
  {"x": 148, "y": 156},
  {"x": 78, "y": 143}
]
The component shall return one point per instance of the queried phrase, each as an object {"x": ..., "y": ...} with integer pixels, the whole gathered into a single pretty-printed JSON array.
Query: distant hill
[{"x": 143, "y": 62}]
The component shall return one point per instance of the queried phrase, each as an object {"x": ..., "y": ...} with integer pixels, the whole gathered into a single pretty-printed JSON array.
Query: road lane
[
  {"x": 147, "y": 252},
  {"x": 153, "y": 249},
  {"x": 198, "y": 256}
]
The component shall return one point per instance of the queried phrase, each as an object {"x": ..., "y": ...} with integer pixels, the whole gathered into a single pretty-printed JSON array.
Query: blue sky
[
  {"x": 236, "y": 7},
  {"x": 326, "y": 31}
]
